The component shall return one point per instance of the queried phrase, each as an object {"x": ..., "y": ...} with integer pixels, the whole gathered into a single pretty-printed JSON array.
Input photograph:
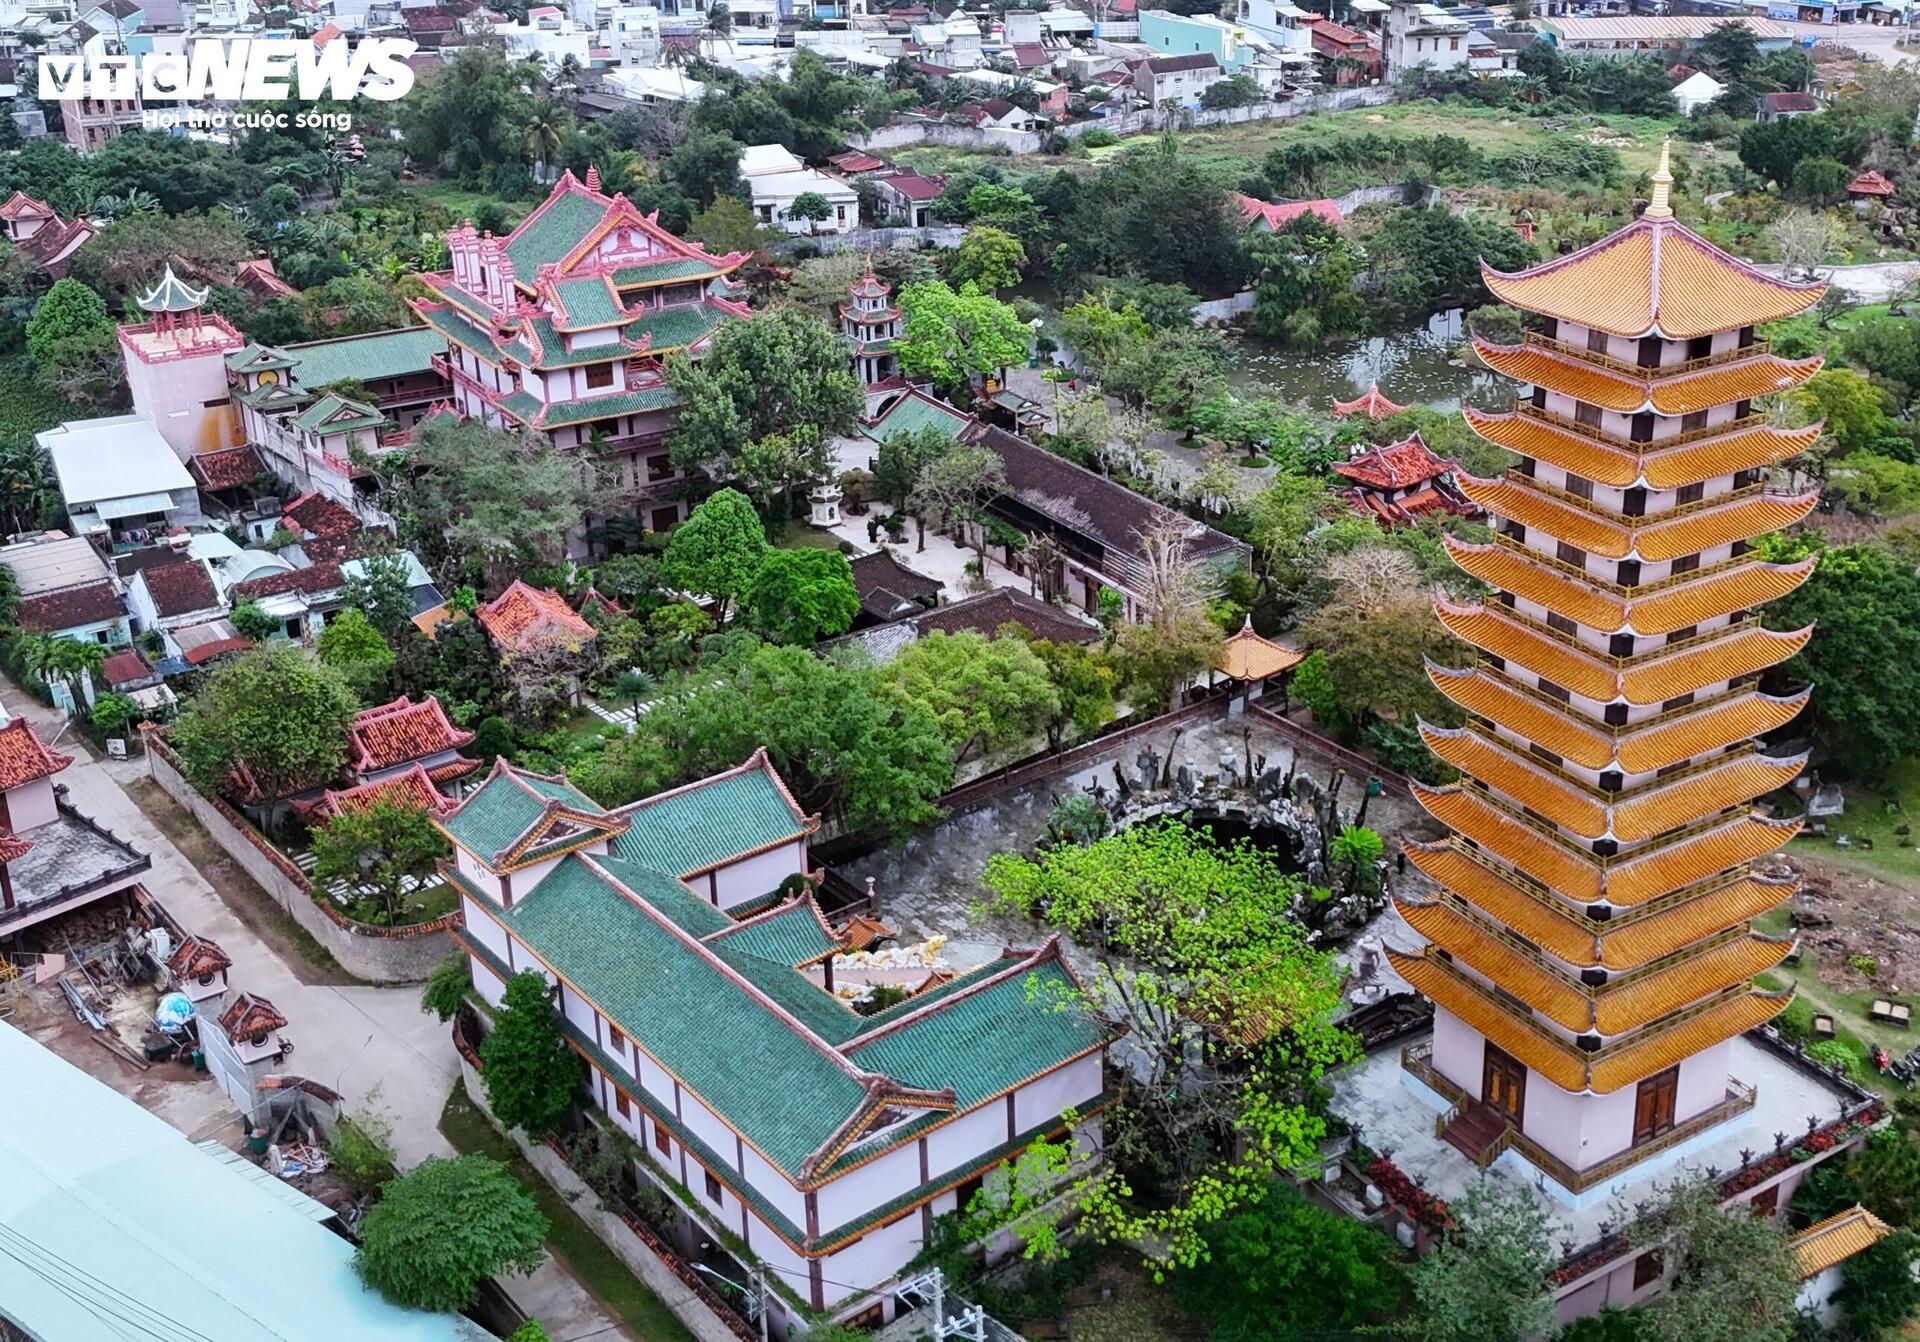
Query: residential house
[
  {"x": 89, "y": 123},
  {"x": 66, "y": 589},
  {"x": 1100, "y": 527},
  {"x": 1348, "y": 57},
  {"x": 326, "y": 529},
  {"x": 172, "y": 595},
  {"x": 227, "y": 481},
  {"x": 703, "y": 998},
  {"x": 119, "y": 479},
  {"x": 907, "y": 196},
  {"x": 1494, "y": 53},
  {"x": 1179, "y": 80},
  {"x": 420, "y": 586},
  {"x": 1233, "y": 47},
  {"x": 1268, "y": 217},
  {"x": 176, "y": 367},
  {"x": 258, "y": 279},
  {"x": 889, "y": 590},
  {"x": 1049, "y": 99},
  {"x": 542, "y": 640},
  {"x": 563, "y": 326},
  {"x": 1420, "y": 35},
  {"x": 776, "y": 179},
  {"x": 1280, "y": 22},
  {"x": 1662, "y": 37},
  {"x": 652, "y": 85},
  {"x": 985, "y": 614},
  {"x": 52, "y": 858},
  {"x": 1786, "y": 106},
  {"x": 97, "y": 1184},
  {"x": 38, "y": 233},
  {"x": 299, "y": 598}
]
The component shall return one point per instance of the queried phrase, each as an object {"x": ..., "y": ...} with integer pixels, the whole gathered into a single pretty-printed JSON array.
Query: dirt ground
[{"x": 1847, "y": 917}]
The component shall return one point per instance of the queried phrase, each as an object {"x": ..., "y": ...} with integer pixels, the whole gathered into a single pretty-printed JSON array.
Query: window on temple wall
[
  {"x": 1580, "y": 487},
  {"x": 1692, "y": 493},
  {"x": 1588, "y": 415},
  {"x": 1649, "y": 353},
  {"x": 1653, "y": 1106},
  {"x": 1686, "y": 564},
  {"x": 714, "y": 1191},
  {"x": 621, "y": 1105},
  {"x": 1539, "y": 398},
  {"x": 1596, "y": 342},
  {"x": 1697, "y": 420},
  {"x": 1571, "y": 554},
  {"x": 1555, "y": 620},
  {"x": 1682, "y": 635},
  {"x": 963, "y": 1193},
  {"x": 599, "y": 375},
  {"x": 1641, "y": 429},
  {"x": 615, "y": 1040},
  {"x": 1647, "y": 1269},
  {"x": 662, "y": 1142}
]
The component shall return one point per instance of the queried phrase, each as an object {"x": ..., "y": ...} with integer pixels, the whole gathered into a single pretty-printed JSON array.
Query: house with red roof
[
  {"x": 53, "y": 859},
  {"x": 908, "y": 196},
  {"x": 1267, "y": 217},
  {"x": 1338, "y": 48},
  {"x": 1398, "y": 484},
  {"x": 542, "y": 640},
  {"x": 396, "y": 737},
  {"x": 38, "y": 233}
]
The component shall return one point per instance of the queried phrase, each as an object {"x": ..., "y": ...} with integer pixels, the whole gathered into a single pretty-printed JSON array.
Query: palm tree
[
  {"x": 536, "y": 73},
  {"x": 76, "y": 663},
  {"x": 546, "y": 128},
  {"x": 634, "y": 685},
  {"x": 566, "y": 80}
]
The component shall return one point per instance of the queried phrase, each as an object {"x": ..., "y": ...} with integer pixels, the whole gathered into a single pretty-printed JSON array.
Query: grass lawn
[
  {"x": 1852, "y": 317},
  {"x": 461, "y": 202},
  {"x": 570, "y": 1239},
  {"x": 1875, "y": 813}
]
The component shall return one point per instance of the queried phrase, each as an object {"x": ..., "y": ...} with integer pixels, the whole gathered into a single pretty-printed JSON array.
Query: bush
[
  {"x": 446, "y": 987},
  {"x": 443, "y": 1227},
  {"x": 362, "y": 1150},
  {"x": 1877, "y": 1292},
  {"x": 1099, "y": 138},
  {"x": 112, "y": 713},
  {"x": 1828, "y": 1052}
]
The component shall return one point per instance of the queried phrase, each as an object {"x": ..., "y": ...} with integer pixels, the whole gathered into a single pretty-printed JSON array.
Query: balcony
[
  {"x": 1528, "y": 410},
  {"x": 1634, "y": 370}
]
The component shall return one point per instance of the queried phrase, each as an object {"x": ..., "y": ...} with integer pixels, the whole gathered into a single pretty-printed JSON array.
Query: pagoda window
[
  {"x": 1497, "y": 662},
  {"x": 1700, "y": 347},
  {"x": 1628, "y": 573},
  {"x": 1678, "y": 701},
  {"x": 1648, "y": 1268},
  {"x": 1742, "y": 409},
  {"x": 1641, "y": 429},
  {"x": 1580, "y": 487},
  {"x": 1516, "y": 530},
  {"x": 1682, "y": 635},
  {"x": 1555, "y": 620},
  {"x": 1692, "y": 493},
  {"x": 659, "y": 468},
  {"x": 606, "y": 428},
  {"x": 1553, "y": 691},
  {"x": 1550, "y": 327},
  {"x": 1696, "y": 420},
  {"x": 1596, "y": 342},
  {"x": 1527, "y": 467},
  {"x": 665, "y": 519},
  {"x": 1539, "y": 398},
  {"x": 1739, "y": 548},
  {"x": 1620, "y": 645},
  {"x": 599, "y": 375},
  {"x": 1650, "y": 347},
  {"x": 1741, "y": 479},
  {"x": 1615, "y": 715},
  {"x": 1571, "y": 554},
  {"x": 1542, "y": 752},
  {"x": 1588, "y": 415},
  {"x": 1746, "y": 337},
  {"x": 1685, "y": 564},
  {"x": 1633, "y": 503},
  {"x": 1668, "y": 770}
]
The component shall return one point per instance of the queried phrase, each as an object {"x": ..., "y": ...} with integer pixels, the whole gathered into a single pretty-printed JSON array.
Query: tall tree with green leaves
[
  {"x": 380, "y": 845},
  {"x": 955, "y": 486},
  {"x": 716, "y": 552},
  {"x": 1487, "y": 1282},
  {"x": 1229, "y": 1011},
  {"x": 445, "y": 1226},
  {"x": 1730, "y": 1278},
  {"x": 987, "y": 694},
  {"x": 989, "y": 257},
  {"x": 531, "y": 1074},
  {"x": 950, "y": 335},
  {"x": 903, "y": 456},
  {"x": 778, "y": 372},
  {"x": 275, "y": 709},
  {"x": 802, "y": 596}
]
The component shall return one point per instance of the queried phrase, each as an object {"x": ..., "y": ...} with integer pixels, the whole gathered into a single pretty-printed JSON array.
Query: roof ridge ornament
[{"x": 1661, "y": 206}]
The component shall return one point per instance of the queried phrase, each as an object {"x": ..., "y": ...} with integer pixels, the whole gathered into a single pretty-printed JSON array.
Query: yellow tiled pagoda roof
[
  {"x": 1692, "y": 919},
  {"x": 1500, "y": 568},
  {"x": 1470, "y": 943},
  {"x": 1740, "y": 779},
  {"x": 1713, "y": 728},
  {"x": 1705, "y": 459},
  {"x": 1526, "y": 849},
  {"x": 1524, "y": 716},
  {"x": 1749, "y": 649},
  {"x": 1833, "y": 1241},
  {"x": 1663, "y": 1049},
  {"x": 1657, "y": 541},
  {"x": 1558, "y": 1062},
  {"x": 1554, "y": 931},
  {"x": 1510, "y": 775},
  {"x": 1695, "y": 603},
  {"x": 1653, "y": 275},
  {"x": 1645, "y": 1000},
  {"x": 1594, "y": 385},
  {"x": 1487, "y": 629},
  {"x": 1247, "y": 656},
  {"x": 1673, "y": 867}
]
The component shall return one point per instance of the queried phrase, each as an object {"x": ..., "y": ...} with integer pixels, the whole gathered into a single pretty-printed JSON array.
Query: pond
[{"x": 1412, "y": 366}]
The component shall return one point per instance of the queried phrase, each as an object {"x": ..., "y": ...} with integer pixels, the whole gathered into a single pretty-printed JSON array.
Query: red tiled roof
[
  {"x": 13, "y": 848},
  {"x": 228, "y": 469},
  {"x": 1333, "y": 32},
  {"x": 1370, "y": 403},
  {"x": 1791, "y": 102},
  {"x": 23, "y": 759},
  {"x": 251, "y": 1016},
  {"x": 197, "y": 956},
  {"x": 71, "y": 607},
  {"x": 318, "y": 515},
  {"x": 259, "y": 277},
  {"x": 307, "y": 581},
  {"x": 1870, "y": 183},
  {"x": 1030, "y": 55},
  {"x": 180, "y": 587},
  {"x": 913, "y": 186},
  {"x": 524, "y": 617},
  {"x": 1279, "y": 216},
  {"x": 389, "y": 735},
  {"x": 1406, "y": 463},
  {"x": 206, "y": 652},
  {"x": 22, "y": 206},
  {"x": 123, "y": 668},
  {"x": 410, "y": 788},
  {"x": 986, "y": 613},
  {"x": 855, "y": 161},
  {"x": 594, "y": 599}
]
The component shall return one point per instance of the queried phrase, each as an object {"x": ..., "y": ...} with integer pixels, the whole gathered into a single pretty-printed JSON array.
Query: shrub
[
  {"x": 1099, "y": 138},
  {"x": 1864, "y": 965},
  {"x": 362, "y": 1150},
  {"x": 1831, "y": 1051},
  {"x": 446, "y": 987},
  {"x": 443, "y": 1227}
]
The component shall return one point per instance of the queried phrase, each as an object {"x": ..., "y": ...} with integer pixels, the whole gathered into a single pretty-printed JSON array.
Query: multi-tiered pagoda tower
[{"x": 1592, "y": 951}]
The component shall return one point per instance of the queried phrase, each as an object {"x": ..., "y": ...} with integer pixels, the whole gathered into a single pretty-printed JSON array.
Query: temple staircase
[{"x": 1478, "y": 1131}]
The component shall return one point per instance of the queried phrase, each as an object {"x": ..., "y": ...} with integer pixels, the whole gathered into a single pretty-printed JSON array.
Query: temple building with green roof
[
  {"x": 563, "y": 326},
  {"x": 697, "y": 980}
]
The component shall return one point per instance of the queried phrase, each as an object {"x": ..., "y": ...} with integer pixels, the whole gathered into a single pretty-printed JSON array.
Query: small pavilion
[
  {"x": 1370, "y": 403},
  {"x": 1251, "y": 660},
  {"x": 1396, "y": 484}
]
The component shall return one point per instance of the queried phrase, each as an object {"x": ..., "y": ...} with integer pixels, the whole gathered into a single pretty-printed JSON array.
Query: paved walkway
[
  {"x": 1873, "y": 282},
  {"x": 376, "y": 1046}
]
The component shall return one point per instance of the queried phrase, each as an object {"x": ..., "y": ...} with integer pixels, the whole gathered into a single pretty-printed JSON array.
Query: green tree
[
  {"x": 1085, "y": 679},
  {"x": 352, "y": 646},
  {"x": 1306, "y": 268},
  {"x": 802, "y": 596},
  {"x": 249, "y": 621},
  {"x": 989, "y": 257},
  {"x": 531, "y": 1074},
  {"x": 717, "y": 551},
  {"x": 1771, "y": 149},
  {"x": 1285, "y": 1267},
  {"x": 1878, "y": 1295},
  {"x": 954, "y": 486},
  {"x": 986, "y": 693},
  {"x": 112, "y": 713},
  {"x": 473, "y": 117},
  {"x": 1488, "y": 1281},
  {"x": 1730, "y": 1278},
  {"x": 71, "y": 340},
  {"x": 950, "y": 335},
  {"x": 1376, "y": 632},
  {"x": 771, "y": 468},
  {"x": 382, "y": 590},
  {"x": 811, "y": 208},
  {"x": 445, "y": 1226},
  {"x": 903, "y": 456},
  {"x": 530, "y": 1331},
  {"x": 1429, "y": 259},
  {"x": 447, "y": 986},
  {"x": 729, "y": 225},
  {"x": 1353, "y": 853},
  {"x": 778, "y": 372},
  {"x": 1214, "y": 988},
  {"x": 1875, "y": 485},
  {"x": 381, "y": 845},
  {"x": 1233, "y": 91},
  {"x": 706, "y": 166},
  {"x": 1821, "y": 181},
  {"x": 1865, "y": 659},
  {"x": 1852, "y": 411},
  {"x": 274, "y": 709}
]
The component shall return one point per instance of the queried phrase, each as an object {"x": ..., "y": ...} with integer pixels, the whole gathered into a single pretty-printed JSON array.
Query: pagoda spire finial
[{"x": 1661, "y": 206}]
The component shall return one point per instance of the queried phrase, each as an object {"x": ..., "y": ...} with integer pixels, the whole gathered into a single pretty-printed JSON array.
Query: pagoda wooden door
[
  {"x": 1503, "y": 1085},
  {"x": 1653, "y": 1105}
]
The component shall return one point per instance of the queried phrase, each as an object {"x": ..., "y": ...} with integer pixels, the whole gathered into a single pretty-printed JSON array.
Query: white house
[
  {"x": 700, "y": 988},
  {"x": 652, "y": 84},
  {"x": 1696, "y": 91},
  {"x": 550, "y": 35},
  {"x": 119, "y": 478},
  {"x": 1422, "y": 35},
  {"x": 777, "y": 179}
]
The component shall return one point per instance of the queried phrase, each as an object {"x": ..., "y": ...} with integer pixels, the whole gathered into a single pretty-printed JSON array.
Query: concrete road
[
  {"x": 375, "y": 1046},
  {"x": 1869, "y": 39},
  {"x": 1870, "y": 283}
]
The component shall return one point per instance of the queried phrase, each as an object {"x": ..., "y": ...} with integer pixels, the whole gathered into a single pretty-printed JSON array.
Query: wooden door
[
  {"x": 1503, "y": 1085},
  {"x": 1653, "y": 1105}
]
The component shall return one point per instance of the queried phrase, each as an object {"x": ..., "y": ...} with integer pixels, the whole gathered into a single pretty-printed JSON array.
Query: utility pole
[{"x": 760, "y": 1296}]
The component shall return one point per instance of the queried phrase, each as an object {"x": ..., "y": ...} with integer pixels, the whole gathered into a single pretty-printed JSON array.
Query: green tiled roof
[
  {"x": 315, "y": 417},
  {"x": 466, "y": 302},
  {"x": 505, "y": 807},
  {"x": 662, "y": 272},
  {"x": 916, "y": 412},
  {"x": 450, "y": 323},
  {"x": 258, "y": 356},
  {"x": 588, "y": 302},
  {"x": 368, "y": 358},
  {"x": 551, "y": 232},
  {"x": 676, "y": 327},
  {"x": 701, "y": 1023},
  {"x": 272, "y": 394},
  {"x": 526, "y": 407},
  {"x": 791, "y": 937},
  {"x": 553, "y": 348},
  {"x": 668, "y": 895},
  {"x": 705, "y": 824}
]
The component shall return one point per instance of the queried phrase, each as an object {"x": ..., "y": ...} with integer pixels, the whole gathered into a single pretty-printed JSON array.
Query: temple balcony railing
[
  {"x": 1640, "y": 372},
  {"x": 1608, "y": 659},
  {"x": 1592, "y": 509},
  {"x": 1630, "y": 592},
  {"x": 1548, "y": 899},
  {"x": 1528, "y": 410},
  {"x": 1600, "y": 794}
]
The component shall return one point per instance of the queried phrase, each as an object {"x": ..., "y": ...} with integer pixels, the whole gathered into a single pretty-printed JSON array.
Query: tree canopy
[
  {"x": 717, "y": 551},
  {"x": 443, "y": 1227},
  {"x": 531, "y": 1073},
  {"x": 777, "y": 372},
  {"x": 802, "y": 596},
  {"x": 986, "y": 693},
  {"x": 274, "y": 709},
  {"x": 949, "y": 335}
]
